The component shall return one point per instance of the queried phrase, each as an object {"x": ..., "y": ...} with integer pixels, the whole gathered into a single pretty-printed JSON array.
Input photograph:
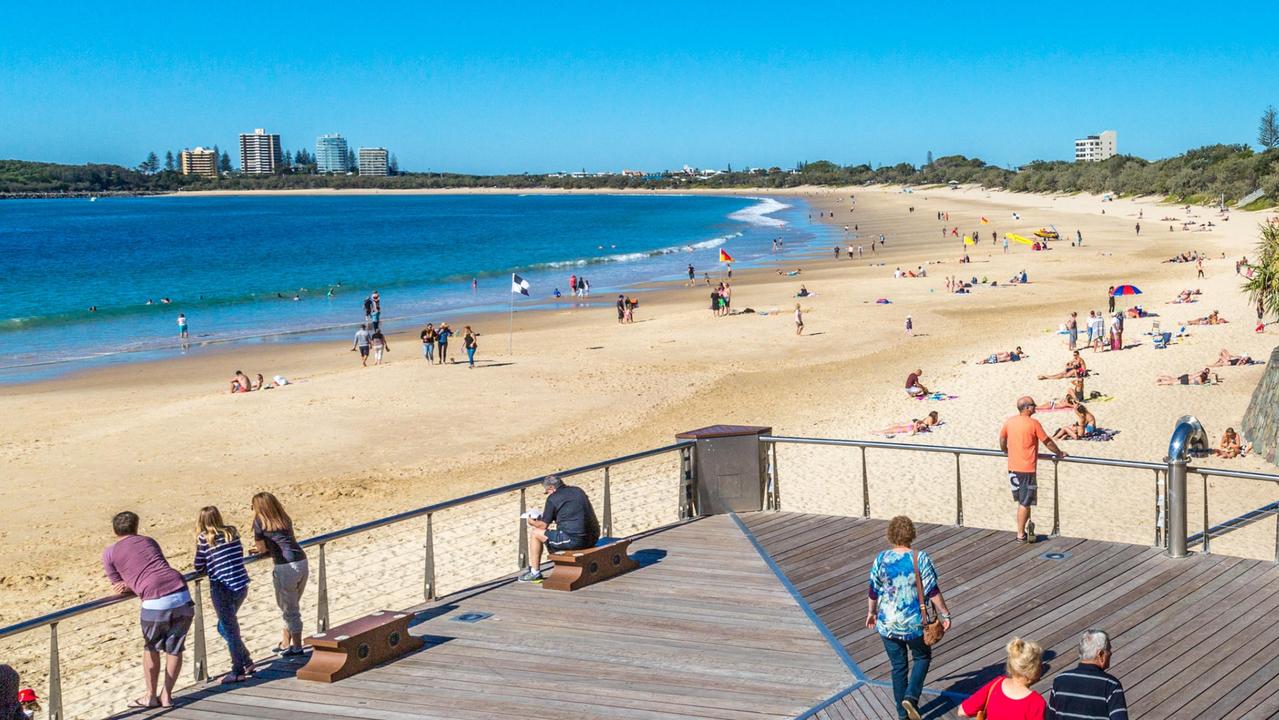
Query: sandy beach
[{"x": 345, "y": 444}]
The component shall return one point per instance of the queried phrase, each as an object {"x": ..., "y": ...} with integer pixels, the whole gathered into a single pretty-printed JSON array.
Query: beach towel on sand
[
  {"x": 937, "y": 396},
  {"x": 1101, "y": 435}
]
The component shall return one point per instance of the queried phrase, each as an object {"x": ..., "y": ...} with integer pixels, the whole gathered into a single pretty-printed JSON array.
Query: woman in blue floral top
[{"x": 893, "y": 610}]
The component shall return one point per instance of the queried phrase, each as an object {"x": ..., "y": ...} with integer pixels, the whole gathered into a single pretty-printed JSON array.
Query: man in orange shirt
[{"x": 1019, "y": 438}]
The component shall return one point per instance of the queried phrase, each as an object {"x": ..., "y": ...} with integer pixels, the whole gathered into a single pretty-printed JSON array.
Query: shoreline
[{"x": 345, "y": 444}]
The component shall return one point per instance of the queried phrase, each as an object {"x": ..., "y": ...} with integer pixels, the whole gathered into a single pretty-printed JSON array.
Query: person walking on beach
[
  {"x": 903, "y": 583},
  {"x": 1199, "y": 267},
  {"x": 378, "y": 342},
  {"x": 220, "y": 555},
  {"x": 471, "y": 344},
  {"x": 837, "y": 247},
  {"x": 1072, "y": 330},
  {"x": 428, "y": 343},
  {"x": 910, "y": 327},
  {"x": 442, "y": 341},
  {"x": 1019, "y": 438},
  {"x": 621, "y": 309},
  {"x": 273, "y": 535},
  {"x": 799, "y": 320},
  {"x": 1110, "y": 295},
  {"x": 1088, "y": 692},
  {"x": 1009, "y": 697},
  {"x": 362, "y": 344},
  {"x": 136, "y": 564},
  {"x": 692, "y": 274},
  {"x": 1138, "y": 229},
  {"x": 184, "y": 333}
]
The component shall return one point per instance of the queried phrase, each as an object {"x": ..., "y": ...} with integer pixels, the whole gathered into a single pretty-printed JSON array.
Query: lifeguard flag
[
  {"x": 984, "y": 221},
  {"x": 519, "y": 285},
  {"x": 968, "y": 240},
  {"x": 1018, "y": 238},
  {"x": 725, "y": 257}
]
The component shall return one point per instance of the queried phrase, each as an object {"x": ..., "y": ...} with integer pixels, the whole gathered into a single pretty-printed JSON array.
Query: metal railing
[
  {"x": 686, "y": 509},
  {"x": 1169, "y": 505}
]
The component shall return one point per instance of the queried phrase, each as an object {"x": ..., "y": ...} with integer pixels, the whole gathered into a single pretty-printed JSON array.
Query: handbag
[
  {"x": 981, "y": 714},
  {"x": 933, "y": 630}
]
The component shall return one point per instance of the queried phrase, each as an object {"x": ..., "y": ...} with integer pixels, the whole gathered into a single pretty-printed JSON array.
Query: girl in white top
[{"x": 799, "y": 320}]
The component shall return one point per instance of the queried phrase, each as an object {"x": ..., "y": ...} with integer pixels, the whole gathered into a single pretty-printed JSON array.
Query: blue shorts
[{"x": 558, "y": 540}]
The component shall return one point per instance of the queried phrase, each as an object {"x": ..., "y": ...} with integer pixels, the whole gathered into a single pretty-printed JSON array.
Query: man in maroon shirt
[{"x": 135, "y": 564}]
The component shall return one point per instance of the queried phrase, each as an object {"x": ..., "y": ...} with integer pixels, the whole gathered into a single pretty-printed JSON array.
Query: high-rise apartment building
[
  {"x": 373, "y": 162},
  {"x": 199, "y": 162},
  {"x": 259, "y": 153},
  {"x": 1096, "y": 148},
  {"x": 331, "y": 154}
]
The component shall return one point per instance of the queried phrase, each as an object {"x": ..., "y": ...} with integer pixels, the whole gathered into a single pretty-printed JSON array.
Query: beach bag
[{"x": 933, "y": 630}]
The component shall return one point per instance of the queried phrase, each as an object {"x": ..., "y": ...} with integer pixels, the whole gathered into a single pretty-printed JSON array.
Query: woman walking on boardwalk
[
  {"x": 273, "y": 534},
  {"x": 895, "y": 610},
  {"x": 220, "y": 555},
  {"x": 1009, "y": 697}
]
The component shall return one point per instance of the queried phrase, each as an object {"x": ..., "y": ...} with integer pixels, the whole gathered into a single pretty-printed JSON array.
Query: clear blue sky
[{"x": 492, "y": 87}]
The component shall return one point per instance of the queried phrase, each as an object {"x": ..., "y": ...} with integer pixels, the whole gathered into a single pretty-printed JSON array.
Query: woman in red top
[{"x": 1009, "y": 696}]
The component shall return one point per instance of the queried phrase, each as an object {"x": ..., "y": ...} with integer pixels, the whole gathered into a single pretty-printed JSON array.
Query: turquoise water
[{"x": 266, "y": 269}]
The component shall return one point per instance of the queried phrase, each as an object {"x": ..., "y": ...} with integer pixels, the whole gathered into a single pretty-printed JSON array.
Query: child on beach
[
  {"x": 273, "y": 535},
  {"x": 799, "y": 320},
  {"x": 220, "y": 555}
]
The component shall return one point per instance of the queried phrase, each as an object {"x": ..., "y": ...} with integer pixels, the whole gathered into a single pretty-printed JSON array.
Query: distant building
[
  {"x": 331, "y": 154},
  {"x": 373, "y": 162},
  {"x": 199, "y": 162},
  {"x": 1096, "y": 148},
  {"x": 259, "y": 153}
]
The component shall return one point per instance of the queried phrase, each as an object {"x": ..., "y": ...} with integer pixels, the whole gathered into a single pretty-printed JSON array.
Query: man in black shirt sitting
[{"x": 576, "y": 526}]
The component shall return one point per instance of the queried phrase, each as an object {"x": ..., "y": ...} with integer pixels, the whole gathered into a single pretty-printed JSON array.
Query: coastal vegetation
[{"x": 1205, "y": 175}]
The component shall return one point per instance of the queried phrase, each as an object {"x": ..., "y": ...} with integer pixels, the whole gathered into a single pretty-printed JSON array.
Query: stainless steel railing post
[
  {"x": 55, "y": 675},
  {"x": 200, "y": 656},
  {"x": 522, "y": 554},
  {"x": 322, "y": 596},
  {"x": 1176, "y": 510},
  {"x": 429, "y": 569},
  {"x": 865, "y": 487},
  {"x": 608, "y": 505},
  {"x": 1160, "y": 535},
  {"x": 959, "y": 494},
  {"x": 1056, "y": 502},
  {"x": 774, "y": 483},
  {"x": 1207, "y": 535}
]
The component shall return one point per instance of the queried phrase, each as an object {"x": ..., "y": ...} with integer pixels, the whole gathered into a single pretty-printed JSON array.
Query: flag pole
[{"x": 510, "y": 331}]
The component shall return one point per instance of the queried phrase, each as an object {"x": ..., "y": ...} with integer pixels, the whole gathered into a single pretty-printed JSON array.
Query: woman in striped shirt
[{"x": 220, "y": 555}]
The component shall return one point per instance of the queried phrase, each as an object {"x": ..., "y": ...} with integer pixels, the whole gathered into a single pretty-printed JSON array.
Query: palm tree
[{"x": 1263, "y": 286}]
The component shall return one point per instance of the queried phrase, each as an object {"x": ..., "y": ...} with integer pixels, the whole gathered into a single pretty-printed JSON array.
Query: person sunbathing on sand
[
  {"x": 999, "y": 357},
  {"x": 1084, "y": 424},
  {"x": 1229, "y": 447},
  {"x": 1075, "y": 368},
  {"x": 913, "y": 427},
  {"x": 1213, "y": 318},
  {"x": 1199, "y": 378},
  {"x": 1224, "y": 358}
]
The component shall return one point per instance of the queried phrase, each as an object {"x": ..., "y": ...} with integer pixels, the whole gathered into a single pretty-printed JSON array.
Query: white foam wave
[
  {"x": 758, "y": 214},
  {"x": 632, "y": 257}
]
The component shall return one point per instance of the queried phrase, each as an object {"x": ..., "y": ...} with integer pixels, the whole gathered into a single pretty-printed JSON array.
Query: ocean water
[{"x": 271, "y": 269}]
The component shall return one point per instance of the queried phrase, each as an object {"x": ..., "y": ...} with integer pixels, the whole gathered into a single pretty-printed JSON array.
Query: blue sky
[{"x": 496, "y": 87}]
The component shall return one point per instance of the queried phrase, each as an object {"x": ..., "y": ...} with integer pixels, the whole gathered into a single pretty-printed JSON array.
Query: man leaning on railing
[{"x": 136, "y": 564}]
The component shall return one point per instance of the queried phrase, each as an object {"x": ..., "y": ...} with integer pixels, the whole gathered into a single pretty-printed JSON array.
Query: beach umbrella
[{"x": 1126, "y": 290}]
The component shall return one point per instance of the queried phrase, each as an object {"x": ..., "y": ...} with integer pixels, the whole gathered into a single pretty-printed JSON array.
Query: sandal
[
  {"x": 1022, "y": 539},
  {"x": 137, "y": 703}
]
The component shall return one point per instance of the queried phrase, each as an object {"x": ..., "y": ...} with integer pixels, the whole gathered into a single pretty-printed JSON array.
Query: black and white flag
[{"x": 519, "y": 284}]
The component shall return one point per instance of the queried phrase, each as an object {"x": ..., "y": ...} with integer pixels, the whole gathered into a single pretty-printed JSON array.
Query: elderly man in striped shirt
[{"x": 1088, "y": 692}]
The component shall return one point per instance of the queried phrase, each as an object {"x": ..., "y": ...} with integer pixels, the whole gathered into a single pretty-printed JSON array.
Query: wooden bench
[
  {"x": 358, "y": 645},
  {"x": 575, "y": 569}
]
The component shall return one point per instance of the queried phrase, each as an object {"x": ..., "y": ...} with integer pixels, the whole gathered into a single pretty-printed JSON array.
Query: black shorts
[
  {"x": 1025, "y": 490},
  {"x": 558, "y": 540},
  {"x": 364, "y": 351},
  {"x": 165, "y": 631}
]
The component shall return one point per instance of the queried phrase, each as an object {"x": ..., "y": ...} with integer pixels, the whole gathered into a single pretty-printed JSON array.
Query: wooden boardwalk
[
  {"x": 704, "y": 629},
  {"x": 1193, "y": 638},
  {"x": 762, "y": 617}
]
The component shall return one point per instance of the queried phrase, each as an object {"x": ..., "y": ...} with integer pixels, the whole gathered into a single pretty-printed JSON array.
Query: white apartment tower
[
  {"x": 331, "y": 154},
  {"x": 373, "y": 162},
  {"x": 1096, "y": 148},
  {"x": 259, "y": 153}
]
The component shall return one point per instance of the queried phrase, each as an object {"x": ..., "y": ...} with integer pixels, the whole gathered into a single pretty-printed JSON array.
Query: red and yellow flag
[
  {"x": 984, "y": 221},
  {"x": 725, "y": 257}
]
